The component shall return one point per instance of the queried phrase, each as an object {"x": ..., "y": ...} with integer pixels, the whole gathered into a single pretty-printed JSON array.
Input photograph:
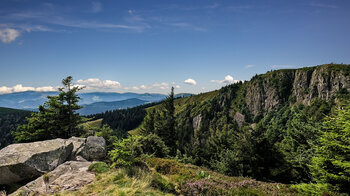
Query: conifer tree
[
  {"x": 168, "y": 133},
  {"x": 57, "y": 118},
  {"x": 331, "y": 164}
]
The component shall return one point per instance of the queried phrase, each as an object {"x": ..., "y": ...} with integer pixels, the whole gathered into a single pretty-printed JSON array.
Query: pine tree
[
  {"x": 331, "y": 164},
  {"x": 166, "y": 128},
  {"x": 57, "y": 118}
]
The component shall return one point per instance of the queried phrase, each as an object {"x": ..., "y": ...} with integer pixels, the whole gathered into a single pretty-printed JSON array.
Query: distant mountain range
[
  {"x": 30, "y": 100},
  {"x": 94, "y": 102},
  {"x": 99, "y": 107}
]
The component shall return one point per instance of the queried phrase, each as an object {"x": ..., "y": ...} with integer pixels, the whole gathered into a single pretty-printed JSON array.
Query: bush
[
  {"x": 126, "y": 152},
  {"x": 99, "y": 167},
  {"x": 152, "y": 144}
]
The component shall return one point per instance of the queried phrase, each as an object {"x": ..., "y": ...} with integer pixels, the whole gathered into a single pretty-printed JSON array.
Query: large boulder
[
  {"x": 20, "y": 162},
  {"x": 95, "y": 148},
  {"x": 69, "y": 176}
]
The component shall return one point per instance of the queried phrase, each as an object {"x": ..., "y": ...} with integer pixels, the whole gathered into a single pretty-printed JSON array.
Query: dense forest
[
  {"x": 9, "y": 120},
  {"x": 123, "y": 119}
]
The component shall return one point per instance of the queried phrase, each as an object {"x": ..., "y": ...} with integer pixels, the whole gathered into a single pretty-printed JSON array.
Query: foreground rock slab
[
  {"x": 27, "y": 161},
  {"x": 69, "y": 176}
]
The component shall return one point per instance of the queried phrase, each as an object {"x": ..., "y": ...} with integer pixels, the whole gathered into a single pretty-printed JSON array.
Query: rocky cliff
[{"x": 265, "y": 92}]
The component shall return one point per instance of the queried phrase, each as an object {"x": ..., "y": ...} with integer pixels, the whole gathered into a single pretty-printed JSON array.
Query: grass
[
  {"x": 119, "y": 182},
  {"x": 169, "y": 177},
  {"x": 92, "y": 125}
]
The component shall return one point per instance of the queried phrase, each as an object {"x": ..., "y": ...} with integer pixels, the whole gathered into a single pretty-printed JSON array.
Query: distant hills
[
  {"x": 94, "y": 102},
  {"x": 30, "y": 100},
  {"x": 99, "y": 107}
]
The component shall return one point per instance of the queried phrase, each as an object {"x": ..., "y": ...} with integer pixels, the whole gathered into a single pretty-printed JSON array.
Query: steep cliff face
[
  {"x": 265, "y": 92},
  {"x": 322, "y": 82}
]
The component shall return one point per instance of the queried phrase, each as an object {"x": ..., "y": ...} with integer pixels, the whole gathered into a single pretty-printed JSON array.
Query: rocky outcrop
[
  {"x": 321, "y": 82},
  {"x": 20, "y": 162},
  {"x": 197, "y": 121},
  {"x": 239, "y": 118},
  {"x": 265, "y": 92},
  {"x": 95, "y": 148},
  {"x": 68, "y": 176},
  {"x": 268, "y": 91},
  {"x": 27, "y": 161}
]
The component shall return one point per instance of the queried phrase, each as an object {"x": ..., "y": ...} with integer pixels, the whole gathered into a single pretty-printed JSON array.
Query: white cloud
[
  {"x": 249, "y": 66},
  {"x": 283, "y": 66},
  {"x": 228, "y": 80},
  {"x": 5, "y": 90},
  {"x": 190, "y": 81},
  {"x": 20, "y": 88},
  {"x": 9, "y": 35},
  {"x": 95, "y": 84},
  {"x": 96, "y": 7},
  {"x": 177, "y": 86}
]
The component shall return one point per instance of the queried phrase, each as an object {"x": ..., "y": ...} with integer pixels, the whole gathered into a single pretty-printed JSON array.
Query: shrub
[
  {"x": 126, "y": 152},
  {"x": 152, "y": 144},
  {"x": 99, "y": 167}
]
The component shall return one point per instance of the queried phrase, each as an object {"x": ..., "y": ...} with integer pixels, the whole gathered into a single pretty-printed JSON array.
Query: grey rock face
[
  {"x": 26, "y": 161},
  {"x": 197, "y": 121},
  {"x": 30, "y": 160},
  {"x": 68, "y": 176},
  {"x": 239, "y": 118},
  {"x": 95, "y": 148},
  {"x": 274, "y": 88}
]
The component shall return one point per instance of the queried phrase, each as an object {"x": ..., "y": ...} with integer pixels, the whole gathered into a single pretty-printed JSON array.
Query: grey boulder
[
  {"x": 27, "y": 161},
  {"x": 69, "y": 176}
]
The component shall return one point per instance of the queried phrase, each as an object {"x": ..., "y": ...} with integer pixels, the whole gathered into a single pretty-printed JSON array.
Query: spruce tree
[
  {"x": 331, "y": 164},
  {"x": 167, "y": 130},
  {"x": 56, "y": 118}
]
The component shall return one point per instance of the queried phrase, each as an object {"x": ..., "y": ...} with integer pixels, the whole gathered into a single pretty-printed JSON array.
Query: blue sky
[{"x": 148, "y": 46}]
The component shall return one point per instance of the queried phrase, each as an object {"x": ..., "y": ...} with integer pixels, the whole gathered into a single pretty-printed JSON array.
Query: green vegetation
[
  {"x": 9, "y": 120},
  {"x": 169, "y": 177},
  {"x": 57, "y": 118},
  {"x": 331, "y": 163},
  {"x": 99, "y": 167},
  {"x": 212, "y": 137}
]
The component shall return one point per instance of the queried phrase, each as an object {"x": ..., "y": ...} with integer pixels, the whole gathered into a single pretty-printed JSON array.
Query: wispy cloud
[
  {"x": 238, "y": 8},
  {"x": 8, "y": 35},
  {"x": 320, "y": 5},
  {"x": 186, "y": 25},
  {"x": 96, "y": 7},
  {"x": 283, "y": 66},
  {"x": 249, "y": 66},
  {"x": 227, "y": 80}
]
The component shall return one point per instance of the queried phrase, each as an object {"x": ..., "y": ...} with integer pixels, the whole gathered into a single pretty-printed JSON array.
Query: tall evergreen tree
[
  {"x": 168, "y": 133},
  {"x": 57, "y": 118},
  {"x": 331, "y": 164}
]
